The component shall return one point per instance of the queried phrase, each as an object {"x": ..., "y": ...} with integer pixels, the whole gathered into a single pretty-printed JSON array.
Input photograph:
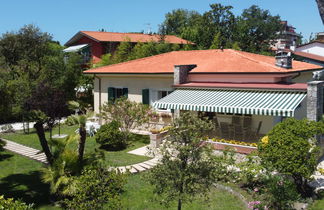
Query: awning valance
[
  {"x": 254, "y": 102},
  {"x": 75, "y": 48}
]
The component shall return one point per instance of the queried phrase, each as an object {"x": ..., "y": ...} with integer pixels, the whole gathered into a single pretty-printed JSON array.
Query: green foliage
[
  {"x": 71, "y": 120},
  {"x": 11, "y": 204},
  {"x": 65, "y": 165},
  {"x": 281, "y": 192},
  {"x": 96, "y": 188},
  {"x": 110, "y": 137},
  {"x": 188, "y": 167},
  {"x": 128, "y": 114},
  {"x": 256, "y": 29},
  {"x": 291, "y": 149},
  {"x": 252, "y": 31},
  {"x": 28, "y": 58}
]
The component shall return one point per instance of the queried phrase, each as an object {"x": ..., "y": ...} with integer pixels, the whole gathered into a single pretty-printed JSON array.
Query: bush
[
  {"x": 72, "y": 120},
  {"x": 2, "y": 144},
  {"x": 290, "y": 149},
  {"x": 110, "y": 137},
  {"x": 11, "y": 204},
  {"x": 281, "y": 192},
  {"x": 96, "y": 188}
]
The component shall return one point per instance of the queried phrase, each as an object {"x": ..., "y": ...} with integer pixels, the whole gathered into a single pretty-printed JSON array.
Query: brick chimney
[{"x": 284, "y": 60}]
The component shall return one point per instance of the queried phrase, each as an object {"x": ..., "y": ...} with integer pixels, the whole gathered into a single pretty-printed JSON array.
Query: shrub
[
  {"x": 281, "y": 192},
  {"x": 11, "y": 204},
  {"x": 96, "y": 188},
  {"x": 110, "y": 137},
  {"x": 72, "y": 120},
  {"x": 290, "y": 149}
]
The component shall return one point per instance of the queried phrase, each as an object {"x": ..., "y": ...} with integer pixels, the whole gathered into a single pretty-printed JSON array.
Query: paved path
[
  {"x": 40, "y": 156},
  {"x": 25, "y": 151}
]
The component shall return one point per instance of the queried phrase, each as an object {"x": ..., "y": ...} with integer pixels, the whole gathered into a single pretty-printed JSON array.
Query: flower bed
[{"x": 238, "y": 146}]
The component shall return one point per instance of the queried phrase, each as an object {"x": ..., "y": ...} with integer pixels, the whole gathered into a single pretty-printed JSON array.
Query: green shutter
[
  {"x": 125, "y": 92},
  {"x": 145, "y": 96},
  {"x": 111, "y": 94}
]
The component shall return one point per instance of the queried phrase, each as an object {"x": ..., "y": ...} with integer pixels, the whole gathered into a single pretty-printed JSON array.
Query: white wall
[
  {"x": 313, "y": 48},
  {"x": 134, "y": 83}
]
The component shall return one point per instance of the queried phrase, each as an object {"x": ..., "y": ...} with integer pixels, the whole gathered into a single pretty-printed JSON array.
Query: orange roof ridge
[
  {"x": 256, "y": 61},
  {"x": 135, "y": 60}
]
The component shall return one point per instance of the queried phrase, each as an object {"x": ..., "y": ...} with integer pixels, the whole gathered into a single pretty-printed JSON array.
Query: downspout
[{"x": 99, "y": 79}]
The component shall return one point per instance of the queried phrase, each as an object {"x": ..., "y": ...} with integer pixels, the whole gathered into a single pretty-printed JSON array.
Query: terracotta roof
[
  {"x": 207, "y": 61},
  {"x": 276, "y": 86},
  {"x": 120, "y": 37},
  {"x": 309, "y": 55}
]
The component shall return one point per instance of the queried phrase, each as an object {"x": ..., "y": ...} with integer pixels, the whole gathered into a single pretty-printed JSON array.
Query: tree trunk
[
  {"x": 42, "y": 139},
  {"x": 83, "y": 136},
  {"x": 179, "y": 204}
]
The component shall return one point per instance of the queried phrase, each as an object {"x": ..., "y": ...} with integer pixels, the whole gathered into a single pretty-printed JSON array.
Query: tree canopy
[{"x": 218, "y": 27}]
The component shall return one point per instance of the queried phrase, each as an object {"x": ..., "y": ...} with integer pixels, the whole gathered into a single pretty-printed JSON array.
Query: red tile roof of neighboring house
[
  {"x": 121, "y": 37},
  {"x": 207, "y": 61},
  {"x": 309, "y": 55},
  {"x": 277, "y": 86}
]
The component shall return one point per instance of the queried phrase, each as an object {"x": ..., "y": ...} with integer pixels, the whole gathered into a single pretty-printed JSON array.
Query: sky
[{"x": 64, "y": 18}]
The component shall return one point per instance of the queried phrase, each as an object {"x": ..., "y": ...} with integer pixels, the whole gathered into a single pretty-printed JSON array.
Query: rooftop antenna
[{"x": 149, "y": 29}]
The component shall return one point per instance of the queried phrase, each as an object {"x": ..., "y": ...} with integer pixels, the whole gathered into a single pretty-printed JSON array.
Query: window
[
  {"x": 114, "y": 93},
  {"x": 163, "y": 93}
]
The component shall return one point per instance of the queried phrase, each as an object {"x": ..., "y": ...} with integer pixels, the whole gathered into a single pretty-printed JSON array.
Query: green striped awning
[{"x": 254, "y": 102}]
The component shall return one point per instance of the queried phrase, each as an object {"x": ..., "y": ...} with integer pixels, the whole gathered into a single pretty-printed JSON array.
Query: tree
[
  {"x": 128, "y": 114},
  {"x": 256, "y": 29},
  {"x": 187, "y": 166},
  {"x": 290, "y": 149}
]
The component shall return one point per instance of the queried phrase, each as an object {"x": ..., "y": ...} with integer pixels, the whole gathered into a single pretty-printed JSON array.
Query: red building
[{"x": 94, "y": 44}]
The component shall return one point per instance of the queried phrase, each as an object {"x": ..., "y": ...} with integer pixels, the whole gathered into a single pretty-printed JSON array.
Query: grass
[
  {"x": 20, "y": 179},
  {"x": 317, "y": 205},
  {"x": 139, "y": 195},
  {"x": 113, "y": 158}
]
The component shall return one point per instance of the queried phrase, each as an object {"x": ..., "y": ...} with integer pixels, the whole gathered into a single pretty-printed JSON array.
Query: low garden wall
[{"x": 237, "y": 148}]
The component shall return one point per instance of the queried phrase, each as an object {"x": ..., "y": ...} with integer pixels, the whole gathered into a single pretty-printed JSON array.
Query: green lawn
[
  {"x": 113, "y": 158},
  {"x": 20, "y": 178},
  {"x": 318, "y": 205},
  {"x": 139, "y": 195}
]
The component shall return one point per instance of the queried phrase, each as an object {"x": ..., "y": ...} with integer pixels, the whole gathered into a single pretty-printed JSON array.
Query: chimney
[
  {"x": 181, "y": 73},
  {"x": 284, "y": 60},
  {"x": 315, "y": 100}
]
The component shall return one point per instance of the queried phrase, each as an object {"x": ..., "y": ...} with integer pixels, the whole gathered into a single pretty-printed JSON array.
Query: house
[
  {"x": 288, "y": 38},
  {"x": 233, "y": 88},
  {"x": 93, "y": 44},
  {"x": 312, "y": 52}
]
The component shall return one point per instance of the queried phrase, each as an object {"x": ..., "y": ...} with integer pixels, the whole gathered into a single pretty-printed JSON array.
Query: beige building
[{"x": 241, "y": 92}]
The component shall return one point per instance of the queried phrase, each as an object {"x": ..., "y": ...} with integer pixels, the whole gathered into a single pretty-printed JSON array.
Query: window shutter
[
  {"x": 146, "y": 96},
  {"x": 125, "y": 92},
  {"x": 111, "y": 94}
]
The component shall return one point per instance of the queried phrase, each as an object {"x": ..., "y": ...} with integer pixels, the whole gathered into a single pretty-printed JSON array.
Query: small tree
[
  {"x": 290, "y": 149},
  {"x": 187, "y": 166},
  {"x": 128, "y": 114}
]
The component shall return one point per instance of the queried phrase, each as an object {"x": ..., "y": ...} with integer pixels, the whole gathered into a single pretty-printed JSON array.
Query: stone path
[
  {"x": 40, "y": 156},
  {"x": 25, "y": 151},
  {"x": 139, "y": 167}
]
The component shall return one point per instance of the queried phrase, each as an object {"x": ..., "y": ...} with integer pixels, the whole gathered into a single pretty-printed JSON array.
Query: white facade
[{"x": 315, "y": 48}]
